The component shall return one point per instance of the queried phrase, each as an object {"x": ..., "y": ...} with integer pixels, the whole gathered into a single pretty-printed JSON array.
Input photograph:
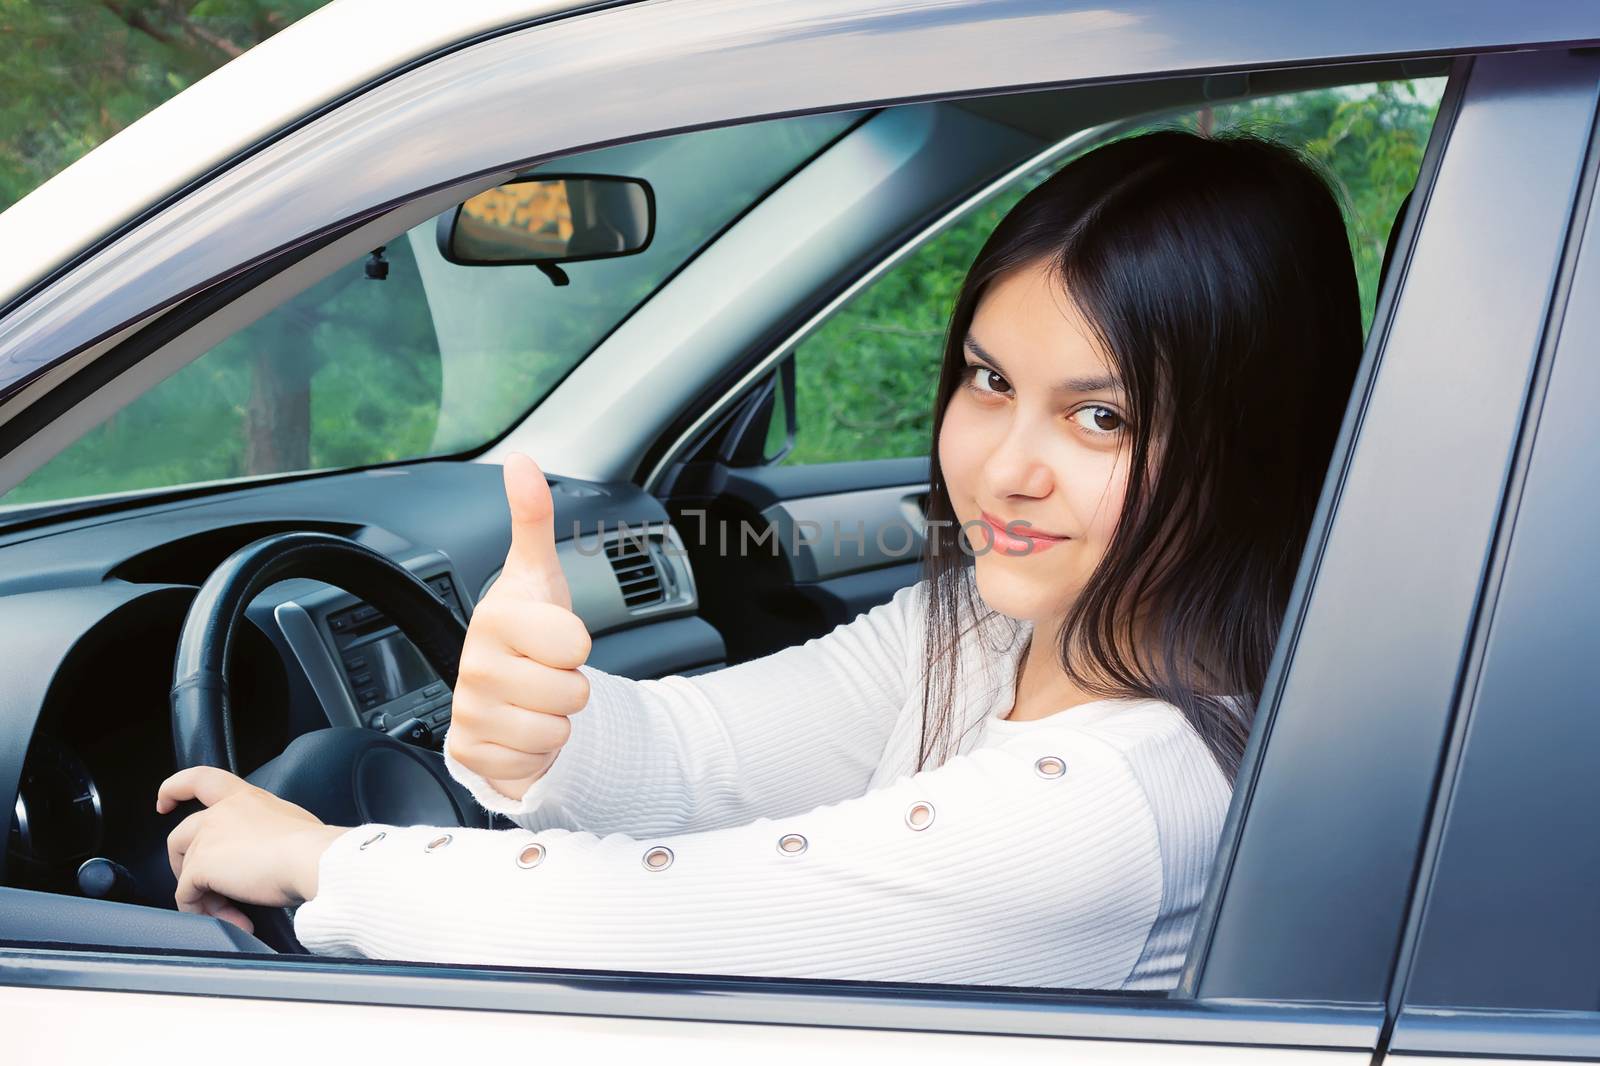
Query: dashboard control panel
[{"x": 388, "y": 679}]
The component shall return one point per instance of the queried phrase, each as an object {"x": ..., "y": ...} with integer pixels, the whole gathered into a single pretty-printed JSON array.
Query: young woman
[{"x": 1014, "y": 772}]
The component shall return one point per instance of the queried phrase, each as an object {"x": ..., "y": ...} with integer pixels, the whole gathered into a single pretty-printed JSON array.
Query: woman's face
[{"x": 1035, "y": 433}]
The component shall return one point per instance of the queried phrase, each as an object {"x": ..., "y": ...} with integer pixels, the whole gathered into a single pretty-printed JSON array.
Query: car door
[{"x": 1302, "y": 924}]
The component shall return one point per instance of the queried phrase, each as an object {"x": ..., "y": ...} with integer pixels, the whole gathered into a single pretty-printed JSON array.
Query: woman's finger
[
  {"x": 523, "y": 682},
  {"x": 208, "y": 784},
  {"x": 518, "y": 729},
  {"x": 224, "y": 908},
  {"x": 180, "y": 838},
  {"x": 544, "y": 632},
  {"x": 191, "y": 887},
  {"x": 493, "y": 760}
]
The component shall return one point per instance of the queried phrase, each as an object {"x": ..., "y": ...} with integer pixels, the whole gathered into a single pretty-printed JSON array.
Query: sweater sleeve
[
  {"x": 1015, "y": 876},
  {"x": 802, "y": 726}
]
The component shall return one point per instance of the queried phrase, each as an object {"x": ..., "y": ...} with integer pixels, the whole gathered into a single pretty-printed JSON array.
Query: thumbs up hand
[{"x": 519, "y": 677}]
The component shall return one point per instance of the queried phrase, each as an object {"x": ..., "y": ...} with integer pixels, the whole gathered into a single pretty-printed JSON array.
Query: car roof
[{"x": 285, "y": 78}]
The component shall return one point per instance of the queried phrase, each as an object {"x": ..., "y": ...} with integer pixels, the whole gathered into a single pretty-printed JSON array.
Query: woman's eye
[
  {"x": 972, "y": 373},
  {"x": 1102, "y": 421}
]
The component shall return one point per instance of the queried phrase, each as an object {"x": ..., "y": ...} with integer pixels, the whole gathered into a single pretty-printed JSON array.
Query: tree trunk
[{"x": 278, "y": 420}]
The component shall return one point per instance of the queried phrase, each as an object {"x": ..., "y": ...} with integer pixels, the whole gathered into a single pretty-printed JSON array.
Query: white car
[{"x": 254, "y": 397}]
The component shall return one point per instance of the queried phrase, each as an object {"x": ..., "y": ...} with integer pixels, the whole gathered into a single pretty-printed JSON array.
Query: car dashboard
[{"x": 91, "y": 609}]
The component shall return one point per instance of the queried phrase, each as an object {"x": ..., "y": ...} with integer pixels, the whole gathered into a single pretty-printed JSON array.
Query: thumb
[{"x": 532, "y": 565}]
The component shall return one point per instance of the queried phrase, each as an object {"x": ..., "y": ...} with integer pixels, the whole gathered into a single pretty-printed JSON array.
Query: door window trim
[
  {"x": 1127, "y": 1016},
  {"x": 1455, "y": 990}
]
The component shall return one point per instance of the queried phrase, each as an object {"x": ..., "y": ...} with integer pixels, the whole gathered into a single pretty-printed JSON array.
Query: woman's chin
[{"x": 1015, "y": 592}]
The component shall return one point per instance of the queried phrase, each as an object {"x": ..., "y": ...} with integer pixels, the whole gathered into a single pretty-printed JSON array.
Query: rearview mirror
[{"x": 550, "y": 218}]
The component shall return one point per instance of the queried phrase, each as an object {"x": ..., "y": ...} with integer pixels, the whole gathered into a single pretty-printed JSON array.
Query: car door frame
[
  {"x": 1235, "y": 992},
  {"x": 1499, "y": 955}
]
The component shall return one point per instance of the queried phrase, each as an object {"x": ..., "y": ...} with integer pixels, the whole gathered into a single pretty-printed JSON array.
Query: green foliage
[
  {"x": 866, "y": 378},
  {"x": 1368, "y": 142},
  {"x": 362, "y": 353},
  {"x": 74, "y": 72}
]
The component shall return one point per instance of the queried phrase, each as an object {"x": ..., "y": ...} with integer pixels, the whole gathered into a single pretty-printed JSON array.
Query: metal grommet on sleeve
[
  {"x": 658, "y": 858},
  {"x": 437, "y": 842},
  {"x": 791, "y": 844},
  {"x": 530, "y": 856},
  {"x": 373, "y": 839},
  {"x": 919, "y": 815},
  {"x": 1050, "y": 766}
]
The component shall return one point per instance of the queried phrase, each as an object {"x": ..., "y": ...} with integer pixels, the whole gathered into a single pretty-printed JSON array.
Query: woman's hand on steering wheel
[{"x": 247, "y": 846}]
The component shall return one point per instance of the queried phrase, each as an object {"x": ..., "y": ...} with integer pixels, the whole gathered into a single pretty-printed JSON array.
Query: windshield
[{"x": 431, "y": 358}]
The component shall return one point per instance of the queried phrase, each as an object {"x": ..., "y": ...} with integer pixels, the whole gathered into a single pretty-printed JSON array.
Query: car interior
[{"x": 302, "y": 625}]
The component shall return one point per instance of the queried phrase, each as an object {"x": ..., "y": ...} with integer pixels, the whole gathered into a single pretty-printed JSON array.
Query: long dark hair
[{"x": 1217, "y": 278}]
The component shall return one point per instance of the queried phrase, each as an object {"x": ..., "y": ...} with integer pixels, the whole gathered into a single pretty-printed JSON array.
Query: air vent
[{"x": 638, "y": 570}]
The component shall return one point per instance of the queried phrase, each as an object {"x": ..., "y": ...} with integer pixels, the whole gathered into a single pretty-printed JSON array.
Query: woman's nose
[{"x": 1017, "y": 466}]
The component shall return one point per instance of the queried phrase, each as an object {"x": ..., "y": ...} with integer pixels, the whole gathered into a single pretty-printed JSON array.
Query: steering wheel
[{"x": 345, "y": 775}]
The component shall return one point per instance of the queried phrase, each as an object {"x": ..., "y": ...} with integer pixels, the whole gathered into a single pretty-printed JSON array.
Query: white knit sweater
[{"x": 1087, "y": 879}]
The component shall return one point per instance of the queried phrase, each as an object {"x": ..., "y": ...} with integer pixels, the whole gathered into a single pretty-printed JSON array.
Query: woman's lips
[{"x": 1023, "y": 542}]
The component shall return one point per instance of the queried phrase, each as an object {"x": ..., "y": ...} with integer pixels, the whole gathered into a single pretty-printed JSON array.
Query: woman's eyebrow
[{"x": 1099, "y": 383}]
